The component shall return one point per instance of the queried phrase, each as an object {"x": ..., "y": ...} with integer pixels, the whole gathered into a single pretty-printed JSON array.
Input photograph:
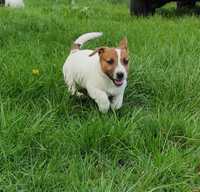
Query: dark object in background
[
  {"x": 148, "y": 7},
  {"x": 2, "y": 2},
  {"x": 186, "y": 4}
]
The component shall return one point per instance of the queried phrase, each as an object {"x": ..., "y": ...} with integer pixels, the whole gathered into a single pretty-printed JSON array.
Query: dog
[
  {"x": 102, "y": 72},
  {"x": 12, "y": 3}
]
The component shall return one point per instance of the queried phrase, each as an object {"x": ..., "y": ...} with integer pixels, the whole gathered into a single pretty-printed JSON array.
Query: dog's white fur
[
  {"x": 14, "y": 3},
  {"x": 85, "y": 70}
]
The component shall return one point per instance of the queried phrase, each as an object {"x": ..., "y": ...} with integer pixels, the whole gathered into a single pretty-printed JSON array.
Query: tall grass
[{"x": 50, "y": 141}]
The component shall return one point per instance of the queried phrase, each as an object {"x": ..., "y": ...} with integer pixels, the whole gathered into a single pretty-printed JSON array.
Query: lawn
[{"x": 50, "y": 141}]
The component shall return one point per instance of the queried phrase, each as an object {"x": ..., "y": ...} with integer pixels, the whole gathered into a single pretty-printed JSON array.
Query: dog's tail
[{"x": 78, "y": 43}]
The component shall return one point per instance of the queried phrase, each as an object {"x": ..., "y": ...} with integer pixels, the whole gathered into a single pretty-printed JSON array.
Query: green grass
[{"x": 50, "y": 141}]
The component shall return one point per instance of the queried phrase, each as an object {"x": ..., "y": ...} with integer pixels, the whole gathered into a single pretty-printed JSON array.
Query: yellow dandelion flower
[{"x": 35, "y": 72}]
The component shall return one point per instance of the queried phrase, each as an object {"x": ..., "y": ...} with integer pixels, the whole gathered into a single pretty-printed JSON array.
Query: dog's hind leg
[
  {"x": 71, "y": 84},
  {"x": 71, "y": 88},
  {"x": 73, "y": 91}
]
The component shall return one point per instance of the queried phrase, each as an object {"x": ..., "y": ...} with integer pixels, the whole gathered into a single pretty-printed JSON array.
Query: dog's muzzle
[{"x": 119, "y": 80}]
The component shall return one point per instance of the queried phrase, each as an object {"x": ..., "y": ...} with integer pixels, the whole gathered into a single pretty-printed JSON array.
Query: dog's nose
[{"x": 120, "y": 75}]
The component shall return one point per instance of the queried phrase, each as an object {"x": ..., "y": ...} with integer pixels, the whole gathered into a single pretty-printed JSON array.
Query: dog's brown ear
[
  {"x": 99, "y": 50},
  {"x": 123, "y": 43}
]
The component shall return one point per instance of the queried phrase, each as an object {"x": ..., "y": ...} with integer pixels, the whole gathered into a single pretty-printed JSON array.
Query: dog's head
[{"x": 114, "y": 62}]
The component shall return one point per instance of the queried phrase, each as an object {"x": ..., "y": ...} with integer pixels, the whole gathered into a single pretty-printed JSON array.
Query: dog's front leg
[
  {"x": 100, "y": 98},
  {"x": 117, "y": 101}
]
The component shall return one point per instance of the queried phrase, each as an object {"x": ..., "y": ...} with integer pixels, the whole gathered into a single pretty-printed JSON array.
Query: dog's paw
[
  {"x": 116, "y": 106},
  {"x": 104, "y": 105},
  {"x": 117, "y": 103},
  {"x": 79, "y": 94}
]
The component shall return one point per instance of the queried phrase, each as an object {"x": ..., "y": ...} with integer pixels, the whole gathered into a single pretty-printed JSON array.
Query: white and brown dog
[{"x": 102, "y": 72}]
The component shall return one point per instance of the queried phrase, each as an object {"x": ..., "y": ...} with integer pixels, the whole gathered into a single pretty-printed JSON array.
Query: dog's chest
[
  {"x": 108, "y": 86},
  {"x": 112, "y": 90}
]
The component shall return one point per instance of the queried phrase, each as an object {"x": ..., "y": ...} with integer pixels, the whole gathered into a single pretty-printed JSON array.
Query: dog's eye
[
  {"x": 110, "y": 61},
  {"x": 125, "y": 61}
]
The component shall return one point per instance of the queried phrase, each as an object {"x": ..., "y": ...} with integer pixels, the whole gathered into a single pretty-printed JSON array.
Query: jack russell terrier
[{"x": 102, "y": 72}]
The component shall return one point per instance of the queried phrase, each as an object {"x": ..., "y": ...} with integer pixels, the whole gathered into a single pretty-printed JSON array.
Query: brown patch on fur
[
  {"x": 75, "y": 46},
  {"x": 123, "y": 44},
  {"x": 124, "y": 58},
  {"x": 98, "y": 50},
  {"x": 108, "y": 60}
]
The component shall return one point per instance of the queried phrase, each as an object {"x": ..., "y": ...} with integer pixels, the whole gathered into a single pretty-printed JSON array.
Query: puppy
[
  {"x": 12, "y": 3},
  {"x": 102, "y": 72}
]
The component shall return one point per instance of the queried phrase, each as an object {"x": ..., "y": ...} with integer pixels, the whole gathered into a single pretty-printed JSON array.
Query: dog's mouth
[{"x": 118, "y": 82}]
